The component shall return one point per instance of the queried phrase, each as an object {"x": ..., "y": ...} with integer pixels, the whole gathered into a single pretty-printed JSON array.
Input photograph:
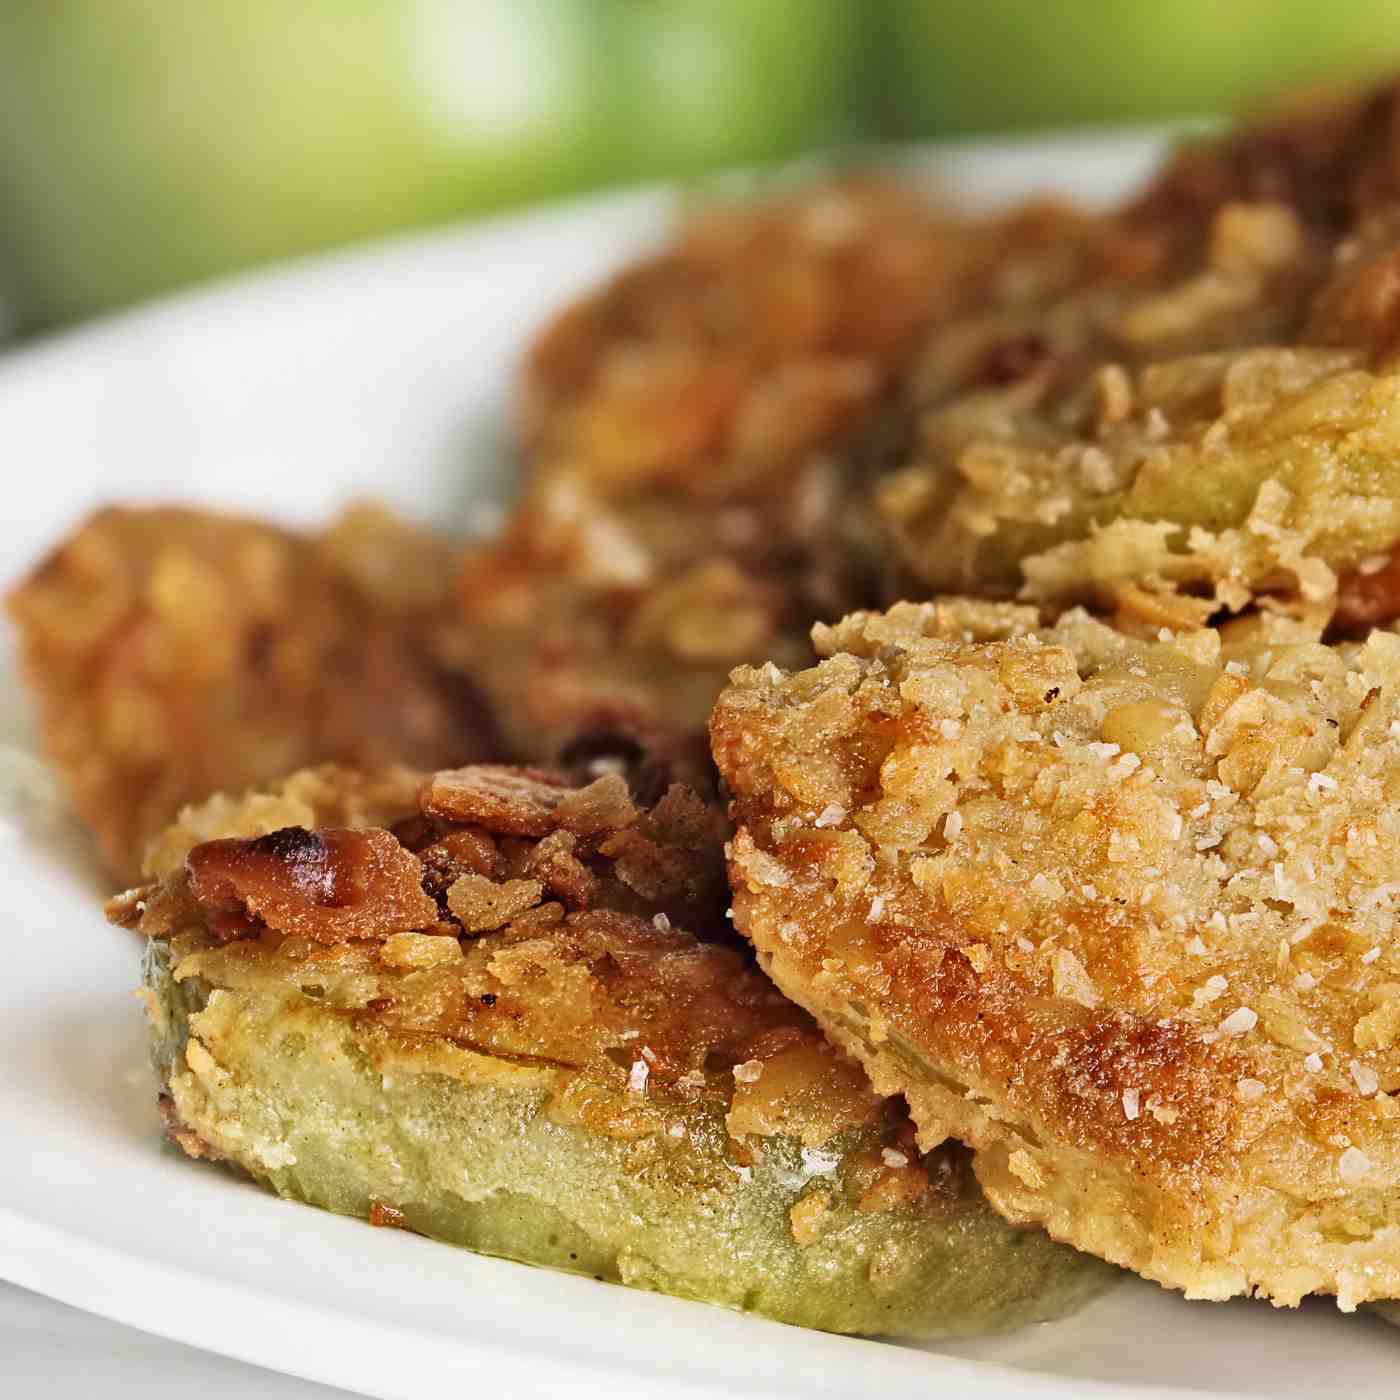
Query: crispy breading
[
  {"x": 1219, "y": 428},
  {"x": 587, "y": 1086},
  {"x": 176, "y": 653},
  {"x": 1117, "y": 913}
]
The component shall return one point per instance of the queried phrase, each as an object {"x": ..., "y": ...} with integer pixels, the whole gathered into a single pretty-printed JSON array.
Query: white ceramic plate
[{"x": 386, "y": 372}]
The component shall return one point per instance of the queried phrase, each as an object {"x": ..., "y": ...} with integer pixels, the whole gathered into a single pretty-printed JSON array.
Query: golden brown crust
[
  {"x": 177, "y": 653},
  {"x": 1101, "y": 906}
]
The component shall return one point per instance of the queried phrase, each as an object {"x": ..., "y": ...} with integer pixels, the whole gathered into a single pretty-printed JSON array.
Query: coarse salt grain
[
  {"x": 1105, "y": 751},
  {"x": 637, "y": 1077},
  {"x": 1024, "y": 943},
  {"x": 949, "y": 728},
  {"x": 877, "y": 907},
  {"x": 748, "y": 1072},
  {"x": 1321, "y": 782},
  {"x": 1353, "y": 1165},
  {"x": 1196, "y": 947},
  {"x": 831, "y": 815},
  {"x": 1130, "y": 1104},
  {"x": 1268, "y": 845},
  {"x": 1249, "y": 1089},
  {"x": 1370, "y": 955},
  {"x": 661, "y": 922},
  {"x": 1240, "y": 1021},
  {"x": 818, "y": 1161},
  {"x": 1304, "y": 982},
  {"x": 1206, "y": 843},
  {"x": 1236, "y": 668},
  {"x": 1211, "y": 990},
  {"x": 953, "y": 825},
  {"x": 1372, "y": 564},
  {"x": 1177, "y": 825},
  {"x": 1364, "y": 1077},
  {"x": 892, "y": 1158},
  {"x": 1313, "y": 1063}
]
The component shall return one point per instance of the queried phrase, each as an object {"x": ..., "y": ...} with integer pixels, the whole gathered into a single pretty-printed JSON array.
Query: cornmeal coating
[
  {"x": 1118, "y": 913},
  {"x": 175, "y": 653},
  {"x": 1216, "y": 430},
  {"x": 487, "y": 1023}
]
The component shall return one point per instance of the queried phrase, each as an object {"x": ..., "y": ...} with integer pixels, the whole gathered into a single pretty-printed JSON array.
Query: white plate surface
[{"x": 386, "y": 372}]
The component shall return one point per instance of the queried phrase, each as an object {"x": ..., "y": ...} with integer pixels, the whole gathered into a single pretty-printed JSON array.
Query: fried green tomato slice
[
  {"x": 1222, "y": 430},
  {"x": 1119, "y": 914},
  {"x": 466, "y": 1026}
]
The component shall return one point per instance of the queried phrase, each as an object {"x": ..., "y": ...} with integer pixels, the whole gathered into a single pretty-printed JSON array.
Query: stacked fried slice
[
  {"x": 471, "y": 1007},
  {"x": 1223, "y": 429},
  {"x": 703, "y": 437},
  {"x": 1107, "y": 895}
]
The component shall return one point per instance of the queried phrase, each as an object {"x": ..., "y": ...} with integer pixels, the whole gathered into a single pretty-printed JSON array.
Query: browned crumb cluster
[
  {"x": 1109, "y": 910},
  {"x": 465, "y": 851},
  {"x": 175, "y": 653}
]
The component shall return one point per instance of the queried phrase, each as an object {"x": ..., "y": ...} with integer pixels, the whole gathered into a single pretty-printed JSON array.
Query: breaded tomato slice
[{"x": 1119, "y": 914}]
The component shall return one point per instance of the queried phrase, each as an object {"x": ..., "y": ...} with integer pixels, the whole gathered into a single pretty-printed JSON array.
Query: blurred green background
[{"x": 148, "y": 144}]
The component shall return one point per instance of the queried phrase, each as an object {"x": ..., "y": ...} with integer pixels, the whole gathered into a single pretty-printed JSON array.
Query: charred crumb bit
[
  {"x": 487, "y": 998},
  {"x": 294, "y": 844},
  {"x": 385, "y": 1216},
  {"x": 1010, "y": 360}
]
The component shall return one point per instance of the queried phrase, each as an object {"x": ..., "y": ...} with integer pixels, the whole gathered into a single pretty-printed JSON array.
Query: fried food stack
[{"x": 1075, "y": 834}]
